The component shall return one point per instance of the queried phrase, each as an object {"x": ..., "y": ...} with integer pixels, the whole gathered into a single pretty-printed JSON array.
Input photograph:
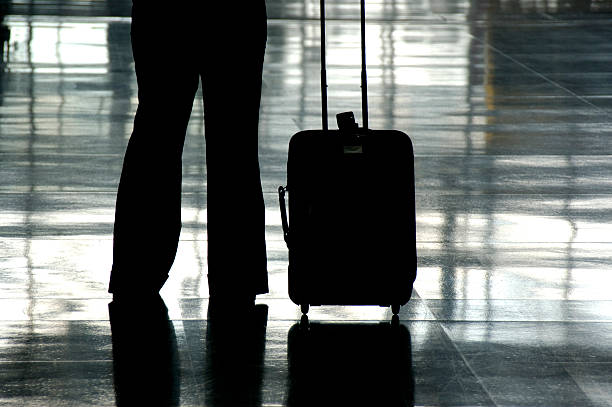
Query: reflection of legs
[
  {"x": 147, "y": 217},
  {"x": 236, "y": 212},
  {"x": 146, "y": 366},
  {"x": 235, "y": 357}
]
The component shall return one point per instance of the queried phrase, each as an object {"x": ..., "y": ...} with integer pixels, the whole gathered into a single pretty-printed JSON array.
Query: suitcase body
[
  {"x": 352, "y": 232},
  {"x": 351, "y": 224}
]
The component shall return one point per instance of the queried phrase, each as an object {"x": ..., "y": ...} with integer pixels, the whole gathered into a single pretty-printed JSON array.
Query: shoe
[{"x": 139, "y": 315}]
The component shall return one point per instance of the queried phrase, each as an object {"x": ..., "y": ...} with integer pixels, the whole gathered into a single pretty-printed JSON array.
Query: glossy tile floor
[{"x": 509, "y": 105}]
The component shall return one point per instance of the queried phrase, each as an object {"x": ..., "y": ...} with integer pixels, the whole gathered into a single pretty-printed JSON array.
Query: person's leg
[
  {"x": 148, "y": 208},
  {"x": 231, "y": 82}
]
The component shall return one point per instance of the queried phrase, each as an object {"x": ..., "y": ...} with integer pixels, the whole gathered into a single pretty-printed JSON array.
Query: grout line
[
  {"x": 14, "y": 362},
  {"x": 542, "y": 76},
  {"x": 467, "y": 364},
  {"x": 375, "y": 321}
]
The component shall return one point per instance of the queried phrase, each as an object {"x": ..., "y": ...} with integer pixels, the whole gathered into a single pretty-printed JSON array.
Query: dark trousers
[{"x": 222, "y": 43}]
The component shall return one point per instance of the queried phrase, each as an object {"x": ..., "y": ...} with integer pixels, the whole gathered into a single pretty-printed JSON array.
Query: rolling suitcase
[{"x": 350, "y": 230}]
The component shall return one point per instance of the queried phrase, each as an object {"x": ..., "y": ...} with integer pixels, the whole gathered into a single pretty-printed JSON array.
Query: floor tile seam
[
  {"x": 576, "y": 382},
  {"x": 51, "y": 320},
  {"x": 41, "y": 361},
  {"x": 271, "y": 318},
  {"x": 59, "y": 154},
  {"x": 66, "y": 192},
  {"x": 118, "y": 156},
  {"x": 313, "y": 320},
  {"x": 108, "y": 236},
  {"x": 583, "y": 99},
  {"x": 49, "y": 298},
  {"x": 444, "y": 19},
  {"x": 423, "y": 302},
  {"x": 525, "y": 299},
  {"x": 64, "y": 238},
  {"x": 428, "y": 19},
  {"x": 113, "y": 192},
  {"x": 276, "y": 299},
  {"x": 512, "y": 242},
  {"x": 556, "y": 21},
  {"x": 513, "y": 156},
  {"x": 523, "y": 321},
  {"x": 41, "y": 18},
  {"x": 511, "y": 245},
  {"x": 601, "y": 21},
  {"x": 444, "y": 329},
  {"x": 419, "y": 192},
  {"x": 456, "y": 405},
  {"x": 511, "y": 194},
  {"x": 25, "y": 18},
  {"x": 448, "y": 338},
  {"x": 186, "y": 354},
  {"x": 97, "y": 237}
]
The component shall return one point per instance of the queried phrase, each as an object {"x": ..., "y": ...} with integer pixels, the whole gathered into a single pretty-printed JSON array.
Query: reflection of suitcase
[
  {"x": 351, "y": 227},
  {"x": 339, "y": 364}
]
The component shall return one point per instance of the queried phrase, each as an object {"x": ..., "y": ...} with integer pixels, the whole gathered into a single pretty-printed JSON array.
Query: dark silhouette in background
[
  {"x": 146, "y": 366},
  {"x": 357, "y": 364},
  {"x": 5, "y": 36},
  {"x": 173, "y": 47}
]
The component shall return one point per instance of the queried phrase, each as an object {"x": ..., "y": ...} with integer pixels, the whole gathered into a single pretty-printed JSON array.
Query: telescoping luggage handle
[
  {"x": 364, "y": 77},
  {"x": 344, "y": 119}
]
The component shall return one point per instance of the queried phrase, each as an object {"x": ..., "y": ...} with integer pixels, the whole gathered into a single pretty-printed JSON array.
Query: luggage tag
[{"x": 351, "y": 142}]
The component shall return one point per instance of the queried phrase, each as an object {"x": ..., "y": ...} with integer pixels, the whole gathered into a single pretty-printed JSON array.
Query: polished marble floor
[{"x": 509, "y": 105}]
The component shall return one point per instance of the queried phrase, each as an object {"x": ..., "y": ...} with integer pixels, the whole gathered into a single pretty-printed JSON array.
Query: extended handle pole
[
  {"x": 364, "y": 76},
  {"x": 323, "y": 70}
]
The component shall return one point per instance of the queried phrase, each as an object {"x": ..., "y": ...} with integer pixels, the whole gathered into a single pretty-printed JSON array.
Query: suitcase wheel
[
  {"x": 395, "y": 308},
  {"x": 304, "y": 308}
]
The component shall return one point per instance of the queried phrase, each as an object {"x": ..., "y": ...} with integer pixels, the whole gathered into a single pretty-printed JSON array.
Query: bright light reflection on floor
[{"x": 54, "y": 47}]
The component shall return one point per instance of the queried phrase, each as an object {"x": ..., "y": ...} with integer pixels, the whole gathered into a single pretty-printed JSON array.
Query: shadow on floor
[
  {"x": 356, "y": 364},
  {"x": 146, "y": 366}
]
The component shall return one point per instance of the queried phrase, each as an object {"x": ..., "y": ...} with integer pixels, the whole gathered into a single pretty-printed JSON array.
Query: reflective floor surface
[{"x": 509, "y": 106}]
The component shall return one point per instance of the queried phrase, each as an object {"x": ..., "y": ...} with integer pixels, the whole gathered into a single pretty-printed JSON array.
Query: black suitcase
[{"x": 351, "y": 226}]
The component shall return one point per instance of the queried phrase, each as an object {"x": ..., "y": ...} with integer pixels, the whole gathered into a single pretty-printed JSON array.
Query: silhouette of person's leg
[
  {"x": 231, "y": 83},
  {"x": 147, "y": 217}
]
